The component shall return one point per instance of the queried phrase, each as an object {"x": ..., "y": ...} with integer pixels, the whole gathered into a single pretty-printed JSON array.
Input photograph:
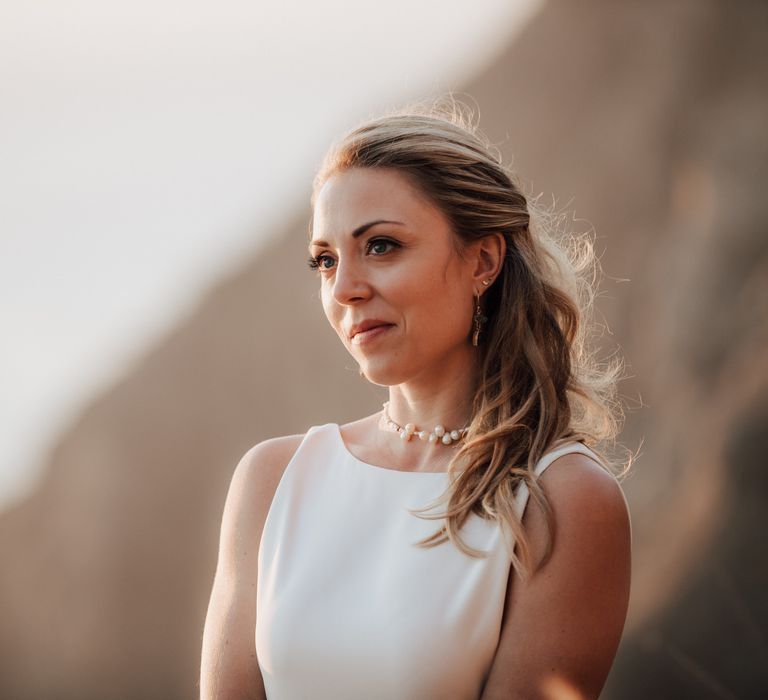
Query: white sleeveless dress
[{"x": 348, "y": 609}]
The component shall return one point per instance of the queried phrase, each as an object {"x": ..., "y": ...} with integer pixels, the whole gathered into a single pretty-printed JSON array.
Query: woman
[{"x": 336, "y": 577}]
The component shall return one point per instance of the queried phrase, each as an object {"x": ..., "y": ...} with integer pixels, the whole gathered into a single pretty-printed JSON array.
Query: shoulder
[
  {"x": 271, "y": 454},
  {"x": 580, "y": 489},
  {"x": 228, "y": 658},
  {"x": 570, "y": 614},
  {"x": 589, "y": 509},
  {"x": 252, "y": 487},
  {"x": 260, "y": 469},
  {"x": 591, "y": 546}
]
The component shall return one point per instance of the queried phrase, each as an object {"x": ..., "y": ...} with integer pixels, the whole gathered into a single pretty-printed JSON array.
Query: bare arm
[
  {"x": 229, "y": 668},
  {"x": 561, "y": 629}
]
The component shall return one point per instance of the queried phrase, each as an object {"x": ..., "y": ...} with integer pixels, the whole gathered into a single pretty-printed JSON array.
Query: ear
[{"x": 489, "y": 252}]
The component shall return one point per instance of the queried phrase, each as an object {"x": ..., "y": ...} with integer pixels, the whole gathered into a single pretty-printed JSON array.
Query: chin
[{"x": 382, "y": 373}]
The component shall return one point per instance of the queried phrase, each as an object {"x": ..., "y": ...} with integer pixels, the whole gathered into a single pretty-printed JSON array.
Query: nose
[{"x": 349, "y": 283}]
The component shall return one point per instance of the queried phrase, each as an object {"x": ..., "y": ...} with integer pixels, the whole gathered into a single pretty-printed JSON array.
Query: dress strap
[{"x": 522, "y": 493}]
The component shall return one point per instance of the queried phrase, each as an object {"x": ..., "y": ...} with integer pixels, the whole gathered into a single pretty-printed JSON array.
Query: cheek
[
  {"x": 424, "y": 283},
  {"x": 440, "y": 309},
  {"x": 331, "y": 311}
]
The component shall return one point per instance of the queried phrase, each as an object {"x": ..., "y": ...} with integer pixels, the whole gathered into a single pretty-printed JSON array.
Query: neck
[{"x": 441, "y": 396}]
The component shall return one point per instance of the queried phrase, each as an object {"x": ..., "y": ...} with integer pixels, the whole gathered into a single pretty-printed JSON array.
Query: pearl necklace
[{"x": 439, "y": 433}]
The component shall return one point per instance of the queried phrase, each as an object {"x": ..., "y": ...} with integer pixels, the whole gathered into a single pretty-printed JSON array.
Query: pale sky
[{"x": 144, "y": 145}]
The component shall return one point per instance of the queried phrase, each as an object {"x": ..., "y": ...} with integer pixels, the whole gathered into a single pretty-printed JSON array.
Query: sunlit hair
[{"x": 540, "y": 383}]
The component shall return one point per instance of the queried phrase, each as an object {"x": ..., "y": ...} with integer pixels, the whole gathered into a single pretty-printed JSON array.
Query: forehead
[{"x": 354, "y": 196}]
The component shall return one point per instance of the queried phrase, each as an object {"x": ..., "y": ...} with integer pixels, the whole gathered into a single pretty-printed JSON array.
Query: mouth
[{"x": 371, "y": 334}]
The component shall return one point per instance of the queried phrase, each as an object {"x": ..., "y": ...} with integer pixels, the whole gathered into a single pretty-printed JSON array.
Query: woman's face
[{"x": 404, "y": 273}]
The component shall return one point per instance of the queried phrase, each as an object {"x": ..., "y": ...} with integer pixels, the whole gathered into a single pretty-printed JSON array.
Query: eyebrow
[{"x": 360, "y": 230}]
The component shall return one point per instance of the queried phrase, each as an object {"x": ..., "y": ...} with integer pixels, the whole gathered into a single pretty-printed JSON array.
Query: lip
[
  {"x": 365, "y": 325},
  {"x": 370, "y": 334}
]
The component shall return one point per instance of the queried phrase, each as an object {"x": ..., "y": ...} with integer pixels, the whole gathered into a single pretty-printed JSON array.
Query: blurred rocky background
[{"x": 650, "y": 121}]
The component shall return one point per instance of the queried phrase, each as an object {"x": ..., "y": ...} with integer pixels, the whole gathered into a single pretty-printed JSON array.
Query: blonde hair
[{"x": 539, "y": 386}]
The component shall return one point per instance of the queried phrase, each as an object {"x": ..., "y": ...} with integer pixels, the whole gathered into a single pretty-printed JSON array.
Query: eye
[
  {"x": 315, "y": 262},
  {"x": 381, "y": 241}
]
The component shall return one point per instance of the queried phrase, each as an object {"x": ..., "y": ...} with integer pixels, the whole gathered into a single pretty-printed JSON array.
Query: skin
[
  {"x": 229, "y": 668},
  {"x": 420, "y": 285},
  {"x": 561, "y": 628}
]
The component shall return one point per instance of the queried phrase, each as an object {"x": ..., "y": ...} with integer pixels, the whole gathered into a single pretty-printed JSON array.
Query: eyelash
[{"x": 314, "y": 262}]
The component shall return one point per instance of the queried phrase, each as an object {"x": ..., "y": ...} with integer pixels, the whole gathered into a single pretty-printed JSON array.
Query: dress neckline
[{"x": 343, "y": 445}]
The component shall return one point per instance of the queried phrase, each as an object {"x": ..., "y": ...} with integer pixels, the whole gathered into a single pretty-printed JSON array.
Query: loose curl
[{"x": 539, "y": 385}]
